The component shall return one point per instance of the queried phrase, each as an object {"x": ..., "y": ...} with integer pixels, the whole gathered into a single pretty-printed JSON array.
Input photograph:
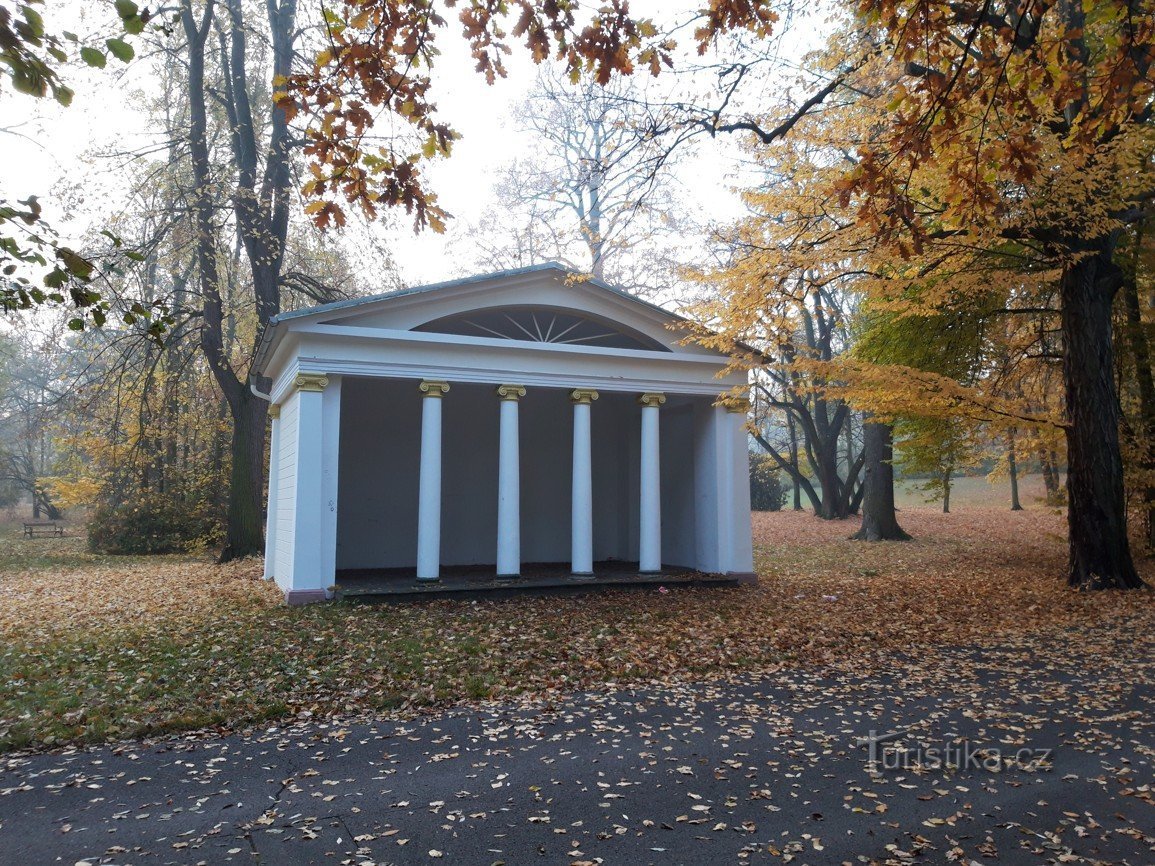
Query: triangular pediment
[{"x": 543, "y": 303}]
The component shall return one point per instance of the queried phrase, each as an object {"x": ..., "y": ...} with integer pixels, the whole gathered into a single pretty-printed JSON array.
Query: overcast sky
[{"x": 68, "y": 156}]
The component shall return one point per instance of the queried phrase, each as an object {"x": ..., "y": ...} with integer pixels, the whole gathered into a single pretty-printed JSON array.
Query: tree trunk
[
  {"x": 1141, "y": 355},
  {"x": 1014, "y": 472},
  {"x": 946, "y": 491},
  {"x": 1050, "y": 475},
  {"x": 879, "y": 521},
  {"x": 245, "y": 533},
  {"x": 260, "y": 203},
  {"x": 794, "y": 460},
  {"x": 41, "y": 503},
  {"x": 1099, "y": 553},
  {"x": 835, "y": 499}
]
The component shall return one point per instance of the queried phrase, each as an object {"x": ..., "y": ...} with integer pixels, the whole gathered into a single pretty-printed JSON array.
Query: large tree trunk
[
  {"x": 879, "y": 521},
  {"x": 1099, "y": 553},
  {"x": 260, "y": 202},
  {"x": 245, "y": 527},
  {"x": 244, "y": 533},
  {"x": 1141, "y": 355},
  {"x": 946, "y": 491},
  {"x": 1013, "y": 466},
  {"x": 835, "y": 504}
]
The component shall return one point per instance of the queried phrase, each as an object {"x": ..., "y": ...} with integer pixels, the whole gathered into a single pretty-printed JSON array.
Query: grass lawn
[{"x": 98, "y": 648}]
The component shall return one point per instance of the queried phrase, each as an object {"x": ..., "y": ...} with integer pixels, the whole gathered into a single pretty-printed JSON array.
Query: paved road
[{"x": 763, "y": 771}]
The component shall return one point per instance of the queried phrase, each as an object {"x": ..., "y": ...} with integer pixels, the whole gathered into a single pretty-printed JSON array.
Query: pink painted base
[{"x": 294, "y": 597}]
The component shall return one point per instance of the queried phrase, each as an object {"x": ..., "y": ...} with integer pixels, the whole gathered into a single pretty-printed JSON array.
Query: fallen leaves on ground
[{"x": 105, "y": 651}]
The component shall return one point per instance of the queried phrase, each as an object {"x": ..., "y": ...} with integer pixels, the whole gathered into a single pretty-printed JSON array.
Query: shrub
[
  {"x": 767, "y": 492},
  {"x": 150, "y": 524}
]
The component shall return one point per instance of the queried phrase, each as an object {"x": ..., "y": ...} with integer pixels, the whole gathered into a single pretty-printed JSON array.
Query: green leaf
[
  {"x": 93, "y": 57},
  {"x": 76, "y": 324},
  {"x": 29, "y": 81},
  {"x": 121, "y": 50},
  {"x": 35, "y": 22},
  {"x": 75, "y": 263},
  {"x": 126, "y": 9},
  {"x": 64, "y": 95},
  {"x": 134, "y": 25}
]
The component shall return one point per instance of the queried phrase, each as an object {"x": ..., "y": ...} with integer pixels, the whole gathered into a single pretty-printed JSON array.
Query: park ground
[
  {"x": 100, "y": 648},
  {"x": 169, "y": 710}
]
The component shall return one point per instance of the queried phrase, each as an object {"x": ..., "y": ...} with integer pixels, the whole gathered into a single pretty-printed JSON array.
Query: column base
[
  {"x": 743, "y": 576},
  {"x": 429, "y": 579},
  {"x": 295, "y": 597},
  {"x": 514, "y": 576}
]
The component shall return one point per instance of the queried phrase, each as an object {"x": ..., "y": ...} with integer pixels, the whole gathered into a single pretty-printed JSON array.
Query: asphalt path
[{"x": 1050, "y": 761}]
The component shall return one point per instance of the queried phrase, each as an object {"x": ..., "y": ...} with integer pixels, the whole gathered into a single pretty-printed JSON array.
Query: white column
[
  {"x": 726, "y": 463},
  {"x": 509, "y": 484},
  {"x": 274, "y": 480},
  {"x": 741, "y": 554},
  {"x": 582, "y": 508},
  {"x": 650, "y": 499},
  {"x": 330, "y": 464},
  {"x": 429, "y": 494},
  {"x": 308, "y": 581}
]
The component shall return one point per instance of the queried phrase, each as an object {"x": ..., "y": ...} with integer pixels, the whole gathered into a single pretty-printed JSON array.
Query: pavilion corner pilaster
[
  {"x": 314, "y": 491},
  {"x": 429, "y": 484},
  {"x": 739, "y": 552},
  {"x": 509, "y": 483},
  {"x": 650, "y": 498},
  {"x": 582, "y": 501}
]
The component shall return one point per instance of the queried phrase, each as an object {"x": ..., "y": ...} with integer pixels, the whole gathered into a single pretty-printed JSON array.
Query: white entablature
[{"x": 362, "y": 457}]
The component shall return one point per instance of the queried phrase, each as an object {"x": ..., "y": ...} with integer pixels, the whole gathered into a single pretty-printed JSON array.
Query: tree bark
[
  {"x": 245, "y": 524},
  {"x": 1050, "y": 475},
  {"x": 835, "y": 505},
  {"x": 1099, "y": 552},
  {"x": 946, "y": 491},
  {"x": 1145, "y": 382},
  {"x": 794, "y": 460},
  {"x": 1012, "y": 464},
  {"x": 879, "y": 520}
]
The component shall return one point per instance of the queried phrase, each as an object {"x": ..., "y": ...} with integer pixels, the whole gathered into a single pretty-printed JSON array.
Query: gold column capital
[
  {"x": 274, "y": 410},
  {"x": 652, "y": 398},
  {"x": 510, "y": 392},
  {"x": 433, "y": 388},
  {"x": 311, "y": 381},
  {"x": 583, "y": 396}
]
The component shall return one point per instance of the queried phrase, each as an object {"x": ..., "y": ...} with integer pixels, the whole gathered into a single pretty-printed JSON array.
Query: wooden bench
[{"x": 34, "y": 528}]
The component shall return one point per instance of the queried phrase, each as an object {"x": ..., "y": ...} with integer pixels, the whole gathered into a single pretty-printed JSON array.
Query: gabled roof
[{"x": 355, "y": 305}]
